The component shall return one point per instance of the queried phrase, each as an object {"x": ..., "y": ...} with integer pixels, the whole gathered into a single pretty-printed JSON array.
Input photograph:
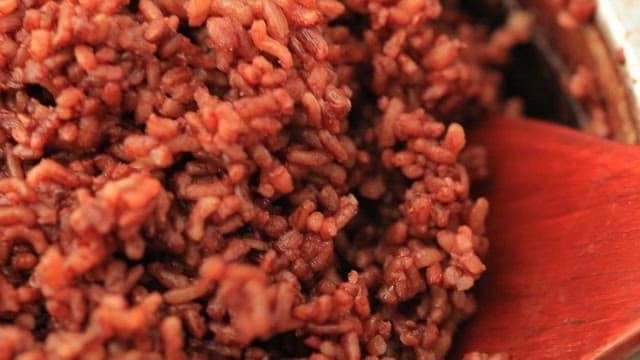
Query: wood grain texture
[{"x": 563, "y": 279}]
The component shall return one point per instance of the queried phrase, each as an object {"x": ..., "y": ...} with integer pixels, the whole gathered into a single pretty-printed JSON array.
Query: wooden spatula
[{"x": 563, "y": 279}]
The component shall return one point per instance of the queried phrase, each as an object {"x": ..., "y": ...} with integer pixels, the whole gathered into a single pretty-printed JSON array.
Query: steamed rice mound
[{"x": 240, "y": 178}]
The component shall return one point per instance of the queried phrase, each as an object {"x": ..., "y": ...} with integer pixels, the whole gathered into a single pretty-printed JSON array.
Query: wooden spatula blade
[{"x": 563, "y": 279}]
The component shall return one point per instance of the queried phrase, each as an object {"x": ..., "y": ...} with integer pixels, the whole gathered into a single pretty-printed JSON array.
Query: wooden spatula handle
[{"x": 563, "y": 279}]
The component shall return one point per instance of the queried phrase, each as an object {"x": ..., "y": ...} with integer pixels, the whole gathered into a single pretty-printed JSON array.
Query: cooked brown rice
[{"x": 240, "y": 178}]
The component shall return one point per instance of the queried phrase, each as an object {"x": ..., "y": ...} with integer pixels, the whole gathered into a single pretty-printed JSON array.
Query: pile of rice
[{"x": 241, "y": 178}]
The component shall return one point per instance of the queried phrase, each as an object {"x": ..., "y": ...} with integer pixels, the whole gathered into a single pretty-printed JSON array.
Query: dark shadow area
[
  {"x": 530, "y": 77},
  {"x": 285, "y": 346},
  {"x": 41, "y": 94},
  {"x": 529, "y": 74}
]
